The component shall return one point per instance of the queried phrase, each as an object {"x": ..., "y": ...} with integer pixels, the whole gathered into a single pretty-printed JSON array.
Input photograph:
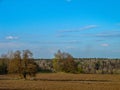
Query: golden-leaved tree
[
  {"x": 64, "y": 62},
  {"x": 22, "y": 64}
]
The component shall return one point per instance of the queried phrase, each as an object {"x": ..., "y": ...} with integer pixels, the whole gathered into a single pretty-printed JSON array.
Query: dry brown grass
[{"x": 62, "y": 81}]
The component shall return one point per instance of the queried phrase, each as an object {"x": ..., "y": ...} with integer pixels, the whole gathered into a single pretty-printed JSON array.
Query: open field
[{"x": 62, "y": 81}]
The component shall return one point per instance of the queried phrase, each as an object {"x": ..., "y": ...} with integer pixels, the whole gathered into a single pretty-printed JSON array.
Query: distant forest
[{"x": 24, "y": 64}]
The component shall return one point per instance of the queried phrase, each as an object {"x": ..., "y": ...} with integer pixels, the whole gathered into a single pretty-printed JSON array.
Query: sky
[{"x": 84, "y": 28}]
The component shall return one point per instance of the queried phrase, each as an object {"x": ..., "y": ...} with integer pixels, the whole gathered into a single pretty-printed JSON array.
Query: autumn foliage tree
[
  {"x": 14, "y": 63},
  {"x": 22, "y": 64},
  {"x": 64, "y": 62},
  {"x": 58, "y": 61}
]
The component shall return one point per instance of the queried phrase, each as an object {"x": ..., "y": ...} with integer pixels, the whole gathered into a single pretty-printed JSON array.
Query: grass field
[{"x": 62, "y": 81}]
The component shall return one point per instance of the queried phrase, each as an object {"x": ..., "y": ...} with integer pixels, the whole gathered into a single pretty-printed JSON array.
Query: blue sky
[{"x": 84, "y": 28}]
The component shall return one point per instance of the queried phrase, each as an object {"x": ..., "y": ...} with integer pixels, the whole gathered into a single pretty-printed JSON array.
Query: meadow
[{"x": 62, "y": 81}]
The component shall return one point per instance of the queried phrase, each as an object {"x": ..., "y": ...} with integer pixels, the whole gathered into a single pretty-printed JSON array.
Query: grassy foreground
[{"x": 62, "y": 81}]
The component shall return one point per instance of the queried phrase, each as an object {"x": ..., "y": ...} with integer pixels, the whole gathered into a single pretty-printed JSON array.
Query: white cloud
[
  {"x": 78, "y": 30},
  {"x": 11, "y": 37},
  {"x": 88, "y": 27},
  {"x": 109, "y": 34},
  {"x": 105, "y": 45}
]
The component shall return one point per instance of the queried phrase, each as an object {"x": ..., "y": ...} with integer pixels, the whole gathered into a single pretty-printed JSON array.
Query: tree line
[
  {"x": 64, "y": 62},
  {"x": 23, "y": 64}
]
